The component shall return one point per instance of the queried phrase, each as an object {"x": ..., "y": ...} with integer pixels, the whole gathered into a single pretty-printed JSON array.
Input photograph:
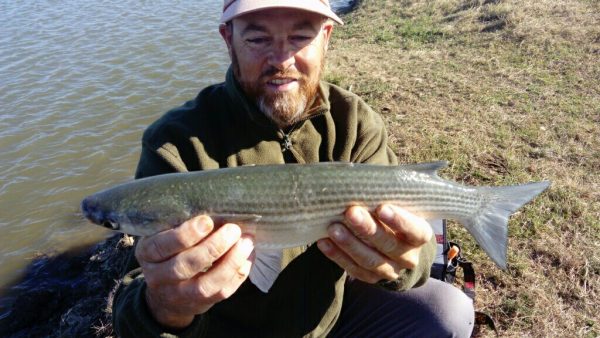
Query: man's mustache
[{"x": 274, "y": 72}]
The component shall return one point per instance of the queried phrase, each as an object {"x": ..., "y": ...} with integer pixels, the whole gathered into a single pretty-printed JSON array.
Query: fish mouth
[{"x": 92, "y": 211}]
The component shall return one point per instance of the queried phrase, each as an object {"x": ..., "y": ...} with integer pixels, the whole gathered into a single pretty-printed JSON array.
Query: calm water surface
[{"x": 79, "y": 82}]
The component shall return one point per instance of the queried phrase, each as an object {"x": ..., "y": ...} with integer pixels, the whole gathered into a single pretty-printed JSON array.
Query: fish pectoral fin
[
  {"x": 236, "y": 218},
  {"x": 426, "y": 168}
]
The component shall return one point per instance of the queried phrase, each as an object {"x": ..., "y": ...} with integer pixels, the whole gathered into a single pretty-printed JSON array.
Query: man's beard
[{"x": 284, "y": 108}]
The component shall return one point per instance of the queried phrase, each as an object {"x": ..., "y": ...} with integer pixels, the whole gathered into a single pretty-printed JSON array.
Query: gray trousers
[{"x": 436, "y": 309}]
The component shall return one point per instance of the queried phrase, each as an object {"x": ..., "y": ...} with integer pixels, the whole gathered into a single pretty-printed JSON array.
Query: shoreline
[
  {"x": 351, "y": 6},
  {"x": 70, "y": 294}
]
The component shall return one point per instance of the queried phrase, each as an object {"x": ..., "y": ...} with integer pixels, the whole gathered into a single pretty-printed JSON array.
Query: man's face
[{"x": 278, "y": 56}]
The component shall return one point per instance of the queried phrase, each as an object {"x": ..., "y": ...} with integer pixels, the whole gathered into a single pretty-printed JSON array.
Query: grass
[{"x": 508, "y": 91}]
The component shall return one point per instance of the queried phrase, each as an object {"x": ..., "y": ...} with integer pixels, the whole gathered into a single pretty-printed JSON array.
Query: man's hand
[
  {"x": 190, "y": 268},
  {"x": 375, "y": 247}
]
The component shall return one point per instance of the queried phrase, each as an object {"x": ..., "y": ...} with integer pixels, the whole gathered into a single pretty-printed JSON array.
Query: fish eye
[{"x": 110, "y": 225}]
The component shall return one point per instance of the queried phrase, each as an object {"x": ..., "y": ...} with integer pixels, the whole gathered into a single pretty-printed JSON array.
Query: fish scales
[
  {"x": 308, "y": 192},
  {"x": 292, "y": 205}
]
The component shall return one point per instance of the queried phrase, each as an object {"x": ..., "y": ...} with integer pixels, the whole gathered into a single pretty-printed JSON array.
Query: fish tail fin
[{"x": 490, "y": 226}]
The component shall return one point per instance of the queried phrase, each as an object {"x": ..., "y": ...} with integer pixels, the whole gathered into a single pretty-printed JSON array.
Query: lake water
[{"x": 79, "y": 82}]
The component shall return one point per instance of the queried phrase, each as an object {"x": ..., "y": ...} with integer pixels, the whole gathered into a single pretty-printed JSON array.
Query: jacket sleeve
[
  {"x": 130, "y": 314},
  {"x": 372, "y": 147}
]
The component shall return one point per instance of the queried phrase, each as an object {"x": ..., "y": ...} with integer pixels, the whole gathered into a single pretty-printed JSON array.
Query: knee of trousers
[{"x": 454, "y": 311}]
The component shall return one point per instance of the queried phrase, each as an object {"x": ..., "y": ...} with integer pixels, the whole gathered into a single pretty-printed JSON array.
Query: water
[{"x": 79, "y": 82}]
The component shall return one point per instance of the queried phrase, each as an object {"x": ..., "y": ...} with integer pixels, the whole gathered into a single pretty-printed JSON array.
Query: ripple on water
[{"x": 79, "y": 83}]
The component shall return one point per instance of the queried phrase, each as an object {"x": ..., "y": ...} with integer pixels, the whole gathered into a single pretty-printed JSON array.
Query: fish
[{"x": 289, "y": 205}]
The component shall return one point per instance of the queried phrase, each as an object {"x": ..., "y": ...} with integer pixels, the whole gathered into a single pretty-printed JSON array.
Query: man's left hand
[{"x": 376, "y": 247}]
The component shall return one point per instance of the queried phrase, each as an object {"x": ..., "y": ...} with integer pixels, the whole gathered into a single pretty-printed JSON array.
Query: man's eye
[
  {"x": 257, "y": 41},
  {"x": 300, "y": 38}
]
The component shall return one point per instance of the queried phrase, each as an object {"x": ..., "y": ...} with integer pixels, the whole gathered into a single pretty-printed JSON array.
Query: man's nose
[{"x": 282, "y": 56}]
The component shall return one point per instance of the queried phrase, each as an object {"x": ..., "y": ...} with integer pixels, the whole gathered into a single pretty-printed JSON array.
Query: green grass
[
  {"x": 421, "y": 30},
  {"x": 507, "y": 91}
]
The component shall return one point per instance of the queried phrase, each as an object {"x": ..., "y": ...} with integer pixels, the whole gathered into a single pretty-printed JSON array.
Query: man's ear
[
  {"x": 226, "y": 31},
  {"x": 327, "y": 30}
]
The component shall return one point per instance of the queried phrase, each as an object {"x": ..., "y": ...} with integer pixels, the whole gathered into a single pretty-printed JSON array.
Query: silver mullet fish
[{"x": 292, "y": 205}]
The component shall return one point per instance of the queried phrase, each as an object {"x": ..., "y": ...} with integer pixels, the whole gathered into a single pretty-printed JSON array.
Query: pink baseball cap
[{"x": 235, "y": 8}]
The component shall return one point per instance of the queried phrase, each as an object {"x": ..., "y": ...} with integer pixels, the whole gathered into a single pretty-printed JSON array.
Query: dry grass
[{"x": 508, "y": 91}]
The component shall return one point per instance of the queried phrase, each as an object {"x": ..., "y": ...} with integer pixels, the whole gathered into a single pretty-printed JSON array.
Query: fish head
[
  {"x": 131, "y": 211},
  {"x": 99, "y": 213}
]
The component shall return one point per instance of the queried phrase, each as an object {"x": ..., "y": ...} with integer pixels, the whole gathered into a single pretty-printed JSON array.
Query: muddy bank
[{"x": 68, "y": 295}]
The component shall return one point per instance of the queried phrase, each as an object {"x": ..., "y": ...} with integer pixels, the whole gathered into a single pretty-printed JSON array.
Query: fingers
[
  {"x": 367, "y": 228},
  {"x": 162, "y": 246},
  {"x": 192, "y": 261},
  {"x": 408, "y": 227},
  {"x": 197, "y": 295},
  {"x": 175, "y": 305},
  {"x": 400, "y": 238},
  {"x": 371, "y": 250},
  {"x": 221, "y": 281},
  {"x": 195, "y": 279},
  {"x": 358, "y": 259}
]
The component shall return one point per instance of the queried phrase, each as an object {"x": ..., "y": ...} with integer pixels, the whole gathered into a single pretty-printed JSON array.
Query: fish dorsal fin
[{"x": 430, "y": 168}]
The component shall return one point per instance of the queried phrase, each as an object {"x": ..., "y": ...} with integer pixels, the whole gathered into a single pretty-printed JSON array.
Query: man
[{"x": 368, "y": 278}]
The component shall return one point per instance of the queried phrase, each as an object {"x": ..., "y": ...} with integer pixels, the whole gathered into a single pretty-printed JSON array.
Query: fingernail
[
  {"x": 244, "y": 271},
  {"x": 336, "y": 231},
  {"x": 232, "y": 230},
  {"x": 385, "y": 213},
  {"x": 324, "y": 245},
  {"x": 247, "y": 245},
  {"x": 203, "y": 225},
  {"x": 356, "y": 216}
]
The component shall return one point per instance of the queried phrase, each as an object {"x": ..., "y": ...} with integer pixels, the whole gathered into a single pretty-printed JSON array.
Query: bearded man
[{"x": 370, "y": 277}]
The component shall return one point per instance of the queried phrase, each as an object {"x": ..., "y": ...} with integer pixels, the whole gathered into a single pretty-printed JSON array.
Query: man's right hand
[{"x": 190, "y": 268}]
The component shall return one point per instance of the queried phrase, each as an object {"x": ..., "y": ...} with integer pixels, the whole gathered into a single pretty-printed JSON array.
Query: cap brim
[{"x": 241, "y": 7}]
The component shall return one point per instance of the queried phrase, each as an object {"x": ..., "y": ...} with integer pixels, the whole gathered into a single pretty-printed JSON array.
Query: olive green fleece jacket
[{"x": 221, "y": 128}]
